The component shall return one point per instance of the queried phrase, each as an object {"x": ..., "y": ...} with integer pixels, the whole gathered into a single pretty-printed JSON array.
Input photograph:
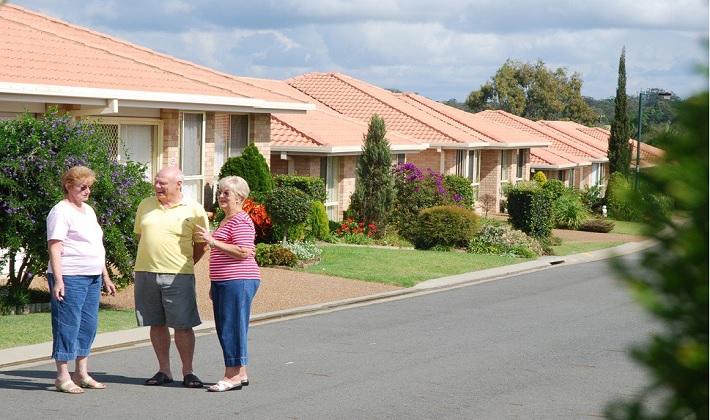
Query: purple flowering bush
[
  {"x": 416, "y": 190},
  {"x": 38, "y": 151}
]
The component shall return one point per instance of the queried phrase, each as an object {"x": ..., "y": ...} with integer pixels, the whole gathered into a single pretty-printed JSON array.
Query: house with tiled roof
[
  {"x": 489, "y": 154},
  {"x": 323, "y": 143},
  {"x": 163, "y": 111}
]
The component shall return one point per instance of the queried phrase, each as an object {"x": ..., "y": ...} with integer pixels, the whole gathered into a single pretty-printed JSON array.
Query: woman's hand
[
  {"x": 204, "y": 234},
  {"x": 109, "y": 287},
  {"x": 58, "y": 289}
]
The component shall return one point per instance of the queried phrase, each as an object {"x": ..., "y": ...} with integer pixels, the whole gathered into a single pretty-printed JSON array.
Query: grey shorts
[{"x": 166, "y": 299}]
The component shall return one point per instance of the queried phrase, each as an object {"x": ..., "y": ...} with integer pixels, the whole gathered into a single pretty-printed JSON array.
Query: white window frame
[
  {"x": 199, "y": 178},
  {"x": 157, "y": 147},
  {"x": 330, "y": 172}
]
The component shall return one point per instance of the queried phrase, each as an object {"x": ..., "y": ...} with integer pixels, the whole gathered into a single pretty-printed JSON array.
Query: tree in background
[
  {"x": 674, "y": 286},
  {"x": 36, "y": 152},
  {"x": 619, "y": 151},
  {"x": 533, "y": 91},
  {"x": 372, "y": 200},
  {"x": 287, "y": 206}
]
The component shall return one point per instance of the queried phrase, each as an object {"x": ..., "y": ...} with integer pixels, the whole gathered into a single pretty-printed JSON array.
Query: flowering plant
[{"x": 351, "y": 227}]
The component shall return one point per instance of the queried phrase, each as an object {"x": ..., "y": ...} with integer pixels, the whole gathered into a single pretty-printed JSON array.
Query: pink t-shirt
[
  {"x": 239, "y": 230},
  {"x": 83, "y": 250}
]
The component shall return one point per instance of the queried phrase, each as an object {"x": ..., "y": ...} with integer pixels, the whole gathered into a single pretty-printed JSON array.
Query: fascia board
[{"x": 97, "y": 97}]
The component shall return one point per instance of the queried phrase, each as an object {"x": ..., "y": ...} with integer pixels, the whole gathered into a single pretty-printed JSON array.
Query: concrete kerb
[{"x": 41, "y": 353}]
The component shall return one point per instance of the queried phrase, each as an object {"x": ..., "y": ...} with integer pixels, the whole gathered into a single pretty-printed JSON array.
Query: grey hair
[{"x": 236, "y": 184}]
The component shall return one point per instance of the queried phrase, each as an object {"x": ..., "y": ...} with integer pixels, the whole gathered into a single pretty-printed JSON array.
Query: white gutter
[{"x": 102, "y": 98}]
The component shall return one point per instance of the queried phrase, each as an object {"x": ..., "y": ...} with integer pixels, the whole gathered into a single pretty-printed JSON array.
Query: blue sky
[{"x": 440, "y": 49}]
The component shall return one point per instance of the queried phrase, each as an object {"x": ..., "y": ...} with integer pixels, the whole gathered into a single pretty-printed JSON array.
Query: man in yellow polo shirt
[{"x": 164, "y": 292}]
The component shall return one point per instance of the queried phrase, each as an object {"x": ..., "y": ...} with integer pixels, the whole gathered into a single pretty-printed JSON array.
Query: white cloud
[{"x": 441, "y": 49}]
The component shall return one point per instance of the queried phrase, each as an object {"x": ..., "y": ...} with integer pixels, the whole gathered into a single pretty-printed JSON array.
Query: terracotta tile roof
[
  {"x": 599, "y": 138},
  {"x": 498, "y": 133},
  {"x": 359, "y": 100},
  {"x": 321, "y": 130},
  {"x": 36, "y": 49}
]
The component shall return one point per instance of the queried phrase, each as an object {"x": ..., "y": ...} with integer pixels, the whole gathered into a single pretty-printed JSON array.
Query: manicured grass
[
  {"x": 629, "y": 228},
  {"x": 23, "y": 330},
  {"x": 569, "y": 247},
  {"x": 401, "y": 267}
]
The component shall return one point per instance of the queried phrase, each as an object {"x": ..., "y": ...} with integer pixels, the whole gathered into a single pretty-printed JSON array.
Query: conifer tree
[
  {"x": 372, "y": 199},
  {"x": 619, "y": 151}
]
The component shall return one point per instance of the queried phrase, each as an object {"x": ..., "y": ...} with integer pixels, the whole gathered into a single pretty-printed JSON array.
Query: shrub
[
  {"x": 487, "y": 203},
  {"x": 540, "y": 178},
  {"x": 555, "y": 188},
  {"x": 618, "y": 200},
  {"x": 274, "y": 255},
  {"x": 499, "y": 239},
  {"x": 597, "y": 225},
  {"x": 251, "y": 166},
  {"x": 352, "y": 232},
  {"x": 313, "y": 186},
  {"x": 445, "y": 227},
  {"x": 530, "y": 209},
  {"x": 262, "y": 223},
  {"x": 568, "y": 212},
  {"x": 317, "y": 226},
  {"x": 304, "y": 251},
  {"x": 35, "y": 154},
  {"x": 287, "y": 206},
  {"x": 415, "y": 191},
  {"x": 592, "y": 199}
]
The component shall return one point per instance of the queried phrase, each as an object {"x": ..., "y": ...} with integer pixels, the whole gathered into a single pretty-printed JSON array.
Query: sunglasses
[{"x": 84, "y": 187}]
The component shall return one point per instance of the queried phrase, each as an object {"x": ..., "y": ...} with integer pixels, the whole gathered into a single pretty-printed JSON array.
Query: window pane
[
  {"x": 138, "y": 143},
  {"x": 239, "y": 134},
  {"x": 192, "y": 144}
]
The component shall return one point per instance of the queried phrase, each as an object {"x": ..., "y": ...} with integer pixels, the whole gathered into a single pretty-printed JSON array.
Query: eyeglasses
[{"x": 83, "y": 187}]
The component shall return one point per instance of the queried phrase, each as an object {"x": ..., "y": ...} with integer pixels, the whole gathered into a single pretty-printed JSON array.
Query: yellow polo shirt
[{"x": 167, "y": 235}]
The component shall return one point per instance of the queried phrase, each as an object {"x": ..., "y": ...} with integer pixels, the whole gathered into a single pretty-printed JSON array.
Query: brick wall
[{"x": 171, "y": 137}]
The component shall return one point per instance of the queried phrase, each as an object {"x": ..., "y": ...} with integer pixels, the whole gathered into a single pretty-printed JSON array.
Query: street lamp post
[{"x": 665, "y": 96}]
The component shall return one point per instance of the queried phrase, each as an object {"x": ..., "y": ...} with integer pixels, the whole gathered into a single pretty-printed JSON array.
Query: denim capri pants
[
  {"x": 231, "y": 304},
  {"x": 75, "y": 319}
]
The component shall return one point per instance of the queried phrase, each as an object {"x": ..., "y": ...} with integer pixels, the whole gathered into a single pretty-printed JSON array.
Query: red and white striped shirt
[{"x": 239, "y": 230}]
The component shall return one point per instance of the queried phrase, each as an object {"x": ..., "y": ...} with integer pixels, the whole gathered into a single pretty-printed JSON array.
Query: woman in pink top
[
  {"x": 235, "y": 279},
  {"x": 77, "y": 265}
]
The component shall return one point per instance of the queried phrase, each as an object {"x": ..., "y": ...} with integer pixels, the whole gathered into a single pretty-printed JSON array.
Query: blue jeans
[
  {"x": 231, "y": 304},
  {"x": 76, "y": 318}
]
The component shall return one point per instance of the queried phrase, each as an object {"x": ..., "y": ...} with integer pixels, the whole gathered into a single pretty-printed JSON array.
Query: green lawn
[{"x": 23, "y": 330}]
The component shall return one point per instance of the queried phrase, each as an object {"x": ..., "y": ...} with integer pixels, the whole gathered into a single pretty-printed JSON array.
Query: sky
[{"x": 441, "y": 49}]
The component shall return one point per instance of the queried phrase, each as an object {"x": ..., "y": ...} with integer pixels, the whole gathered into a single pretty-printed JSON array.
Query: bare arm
[
  {"x": 55, "y": 261},
  {"x": 234, "y": 251}
]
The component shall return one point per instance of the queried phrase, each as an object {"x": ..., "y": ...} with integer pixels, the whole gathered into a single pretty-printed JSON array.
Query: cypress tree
[
  {"x": 372, "y": 199},
  {"x": 619, "y": 152}
]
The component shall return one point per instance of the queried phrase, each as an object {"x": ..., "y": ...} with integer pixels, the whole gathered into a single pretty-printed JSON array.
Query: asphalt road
[{"x": 549, "y": 344}]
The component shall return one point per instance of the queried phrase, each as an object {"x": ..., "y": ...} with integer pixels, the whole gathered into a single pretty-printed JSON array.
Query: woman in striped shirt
[{"x": 235, "y": 279}]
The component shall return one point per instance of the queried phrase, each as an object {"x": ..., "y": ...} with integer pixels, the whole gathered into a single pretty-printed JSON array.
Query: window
[
  {"x": 399, "y": 158},
  {"x": 521, "y": 164},
  {"x": 135, "y": 139},
  {"x": 238, "y": 134},
  {"x": 597, "y": 174},
  {"x": 329, "y": 171},
  {"x": 503, "y": 165},
  {"x": 193, "y": 128}
]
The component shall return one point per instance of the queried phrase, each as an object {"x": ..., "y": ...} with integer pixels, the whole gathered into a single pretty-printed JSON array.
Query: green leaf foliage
[
  {"x": 37, "y": 153},
  {"x": 530, "y": 209},
  {"x": 313, "y": 186},
  {"x": 445, "y": 227},
  {"x": 287, "y": 206},
  {"x": 373, "y": 197},
  {"x": 619, "y": 151},
  {"x": 533, "y": 91},
  {"x": 673, "y": 287},
  {"x": 251, "y": 166}
]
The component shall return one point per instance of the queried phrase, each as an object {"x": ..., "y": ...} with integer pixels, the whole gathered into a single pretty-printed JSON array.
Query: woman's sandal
[
  {"x": 222, "y": 386},
  {"x": 67, "y": 388},
  {"x": 86, "y": 383}
]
